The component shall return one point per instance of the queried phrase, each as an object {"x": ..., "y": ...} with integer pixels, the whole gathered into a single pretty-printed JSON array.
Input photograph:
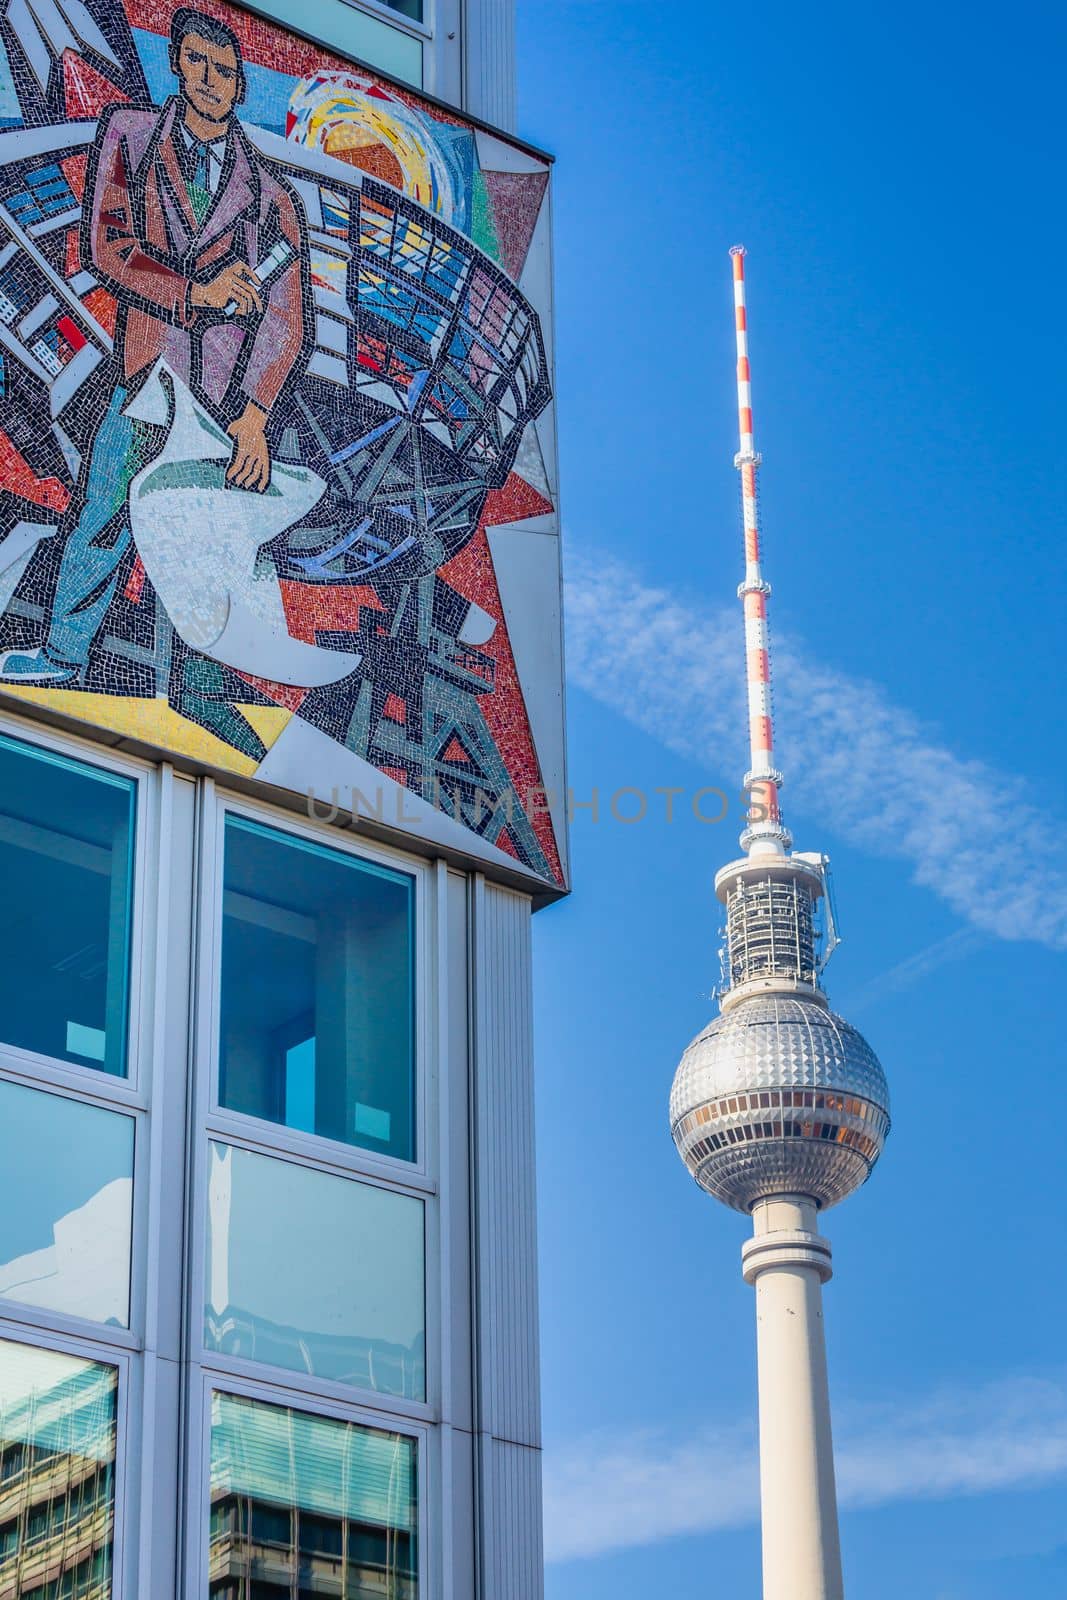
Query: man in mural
[{"x": 203, "y": 248}]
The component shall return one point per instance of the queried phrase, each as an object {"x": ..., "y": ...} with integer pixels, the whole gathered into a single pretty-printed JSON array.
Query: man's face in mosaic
[{"x": 210, "y": 77}]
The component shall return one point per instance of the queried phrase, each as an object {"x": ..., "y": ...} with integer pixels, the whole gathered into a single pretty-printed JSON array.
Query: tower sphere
[{"x": 778, "y": 1095}]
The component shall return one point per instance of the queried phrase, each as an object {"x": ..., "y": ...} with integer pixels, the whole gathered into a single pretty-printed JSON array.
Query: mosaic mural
[{"x": 277, "y": 469}]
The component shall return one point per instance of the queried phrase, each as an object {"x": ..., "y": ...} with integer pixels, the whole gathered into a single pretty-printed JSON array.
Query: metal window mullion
[{"x": 166, "y": 1057}]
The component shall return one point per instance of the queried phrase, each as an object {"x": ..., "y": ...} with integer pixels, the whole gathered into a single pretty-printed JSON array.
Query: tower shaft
[{"x": 787, "y": 1262}]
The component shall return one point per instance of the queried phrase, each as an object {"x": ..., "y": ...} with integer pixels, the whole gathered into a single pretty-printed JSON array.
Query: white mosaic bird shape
[{"x": 200, "y": 540}]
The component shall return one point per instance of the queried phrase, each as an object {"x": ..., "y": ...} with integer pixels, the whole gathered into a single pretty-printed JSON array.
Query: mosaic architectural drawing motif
[{"x": 277, "y": 476}]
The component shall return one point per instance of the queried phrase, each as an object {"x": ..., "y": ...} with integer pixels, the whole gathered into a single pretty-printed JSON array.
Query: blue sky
[{"x": 894, "y": 173}]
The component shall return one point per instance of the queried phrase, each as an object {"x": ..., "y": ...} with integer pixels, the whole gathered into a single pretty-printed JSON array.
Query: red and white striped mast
[{"x": 764, "y": 834}]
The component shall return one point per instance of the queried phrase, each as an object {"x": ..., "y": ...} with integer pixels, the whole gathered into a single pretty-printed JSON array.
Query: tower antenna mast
[{"x": 765, "y": 835}]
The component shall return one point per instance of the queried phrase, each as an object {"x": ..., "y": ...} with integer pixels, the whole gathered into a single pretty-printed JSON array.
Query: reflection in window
[
  {"x": 318, "y": 978},
  {"x": 315, "y": 1272},
  {"x": 57, "y": 1475},
  {"x": 66, "y": 853},
  {"x": 304, "y": 1505},
  {"x": 358, "y": 33},
  {"x": 66, "y": 1192}
]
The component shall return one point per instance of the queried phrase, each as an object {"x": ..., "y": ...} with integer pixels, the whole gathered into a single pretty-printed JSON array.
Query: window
[
  {"x": 317, "y": 1012},
  {"x": 66, "y": 858},
  {"x": 310, "y": 1505},
  {"x": 355, "y": 32},
  {"x": 57, "y": 1438},
  {"x": 66, "y": 1193},
  {"x": 315, "y": 1272}
]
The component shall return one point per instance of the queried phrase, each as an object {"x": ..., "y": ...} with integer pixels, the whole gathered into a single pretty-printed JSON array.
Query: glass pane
[
  {"x": 304, "y": 1505},
  {"x": 314, "y": 1272},
  {"x": 357, "y": 33},
  {"x": 318, "y": 991},
  {"x": 66, "y": 1198},
  {"x": 57, "y": 1474},
  {"x": 66, "y": 854}
]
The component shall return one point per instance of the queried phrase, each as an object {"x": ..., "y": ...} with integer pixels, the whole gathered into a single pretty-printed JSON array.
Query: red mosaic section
[
  {"x": 19, "y": 478},
  {"x": 516, "y": 198},
  {"x": 471, "y": 574},
  {"x": 103, "y": 307},
  {"x": 135, "y": 582},
  {"x": 516, "y": 501},
  {"x": 505, "y": 842},
  {"x": 85, "y": 91},
  {"x": 73, "y": 169},
  {"x": 310, "y": 607}
]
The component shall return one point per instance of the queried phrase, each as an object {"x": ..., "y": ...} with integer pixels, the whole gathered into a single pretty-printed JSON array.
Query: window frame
[
  {"x": 440, "y": 34},
  {"x": 65, "y": 1323},
  {"x": 198, "y": 1465},
  {"x": 308, "y": 1386},
  {"x": 145, "y": 845},
  {"x": 419, "y": 1174},
  {"x": 127, "y": 1446},
  {"x": 422, "y": 33},
  {"x": 398, "y": 19}
]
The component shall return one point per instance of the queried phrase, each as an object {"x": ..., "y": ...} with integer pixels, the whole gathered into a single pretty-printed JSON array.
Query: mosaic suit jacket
[{"x": 142, "y": 235}]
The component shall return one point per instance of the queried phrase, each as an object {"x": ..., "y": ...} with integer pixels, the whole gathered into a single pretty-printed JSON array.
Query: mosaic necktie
[{"x": 199, "y": 184}]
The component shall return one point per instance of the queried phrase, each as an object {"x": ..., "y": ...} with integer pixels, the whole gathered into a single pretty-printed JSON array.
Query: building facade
[{"x": 282, "y": 780}]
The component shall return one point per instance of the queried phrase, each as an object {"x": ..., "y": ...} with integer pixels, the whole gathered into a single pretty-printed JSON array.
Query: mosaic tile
[{"x": 262, "y": 390}]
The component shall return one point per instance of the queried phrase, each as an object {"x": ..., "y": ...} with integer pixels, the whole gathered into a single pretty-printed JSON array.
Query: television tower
[{"x": 779, "y": 1107}]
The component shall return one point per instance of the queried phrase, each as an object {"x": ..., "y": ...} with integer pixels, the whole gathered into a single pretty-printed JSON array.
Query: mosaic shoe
[{"x": 33, "y": 667}]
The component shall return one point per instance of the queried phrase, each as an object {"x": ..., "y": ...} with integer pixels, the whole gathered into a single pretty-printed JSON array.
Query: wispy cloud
[
  {"x": 854, "y": 759},
  {"x": 613, "y": 1492}
]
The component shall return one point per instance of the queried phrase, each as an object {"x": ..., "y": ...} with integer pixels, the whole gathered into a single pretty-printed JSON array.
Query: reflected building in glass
[
  {"x": 57, "y": 1475},
  {"x": 282, "y": 782},
  {"x": 309, "y": 1505}
]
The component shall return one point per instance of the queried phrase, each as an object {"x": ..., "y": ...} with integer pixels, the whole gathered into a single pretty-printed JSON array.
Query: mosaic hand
[
  {"x": 235, "y": 285},
  {"x": 250, "y": 463}
]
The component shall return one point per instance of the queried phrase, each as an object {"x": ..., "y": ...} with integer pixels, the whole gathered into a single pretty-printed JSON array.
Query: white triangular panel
[
  {"x": 547, "y": 522},
  {"x": 496, "y": 156}
]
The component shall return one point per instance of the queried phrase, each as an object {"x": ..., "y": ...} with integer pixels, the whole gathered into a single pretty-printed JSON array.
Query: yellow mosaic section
[{"x": 153, "y": 722}]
